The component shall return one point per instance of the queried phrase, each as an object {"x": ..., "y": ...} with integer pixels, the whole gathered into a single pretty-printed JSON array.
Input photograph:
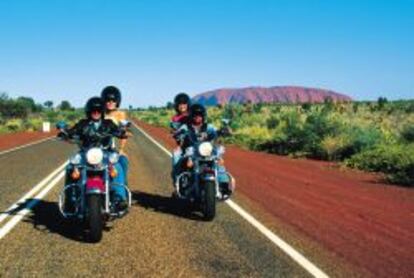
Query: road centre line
[
  {"x": 29, "y": 206},
  {"x": 27, "y": 145},
  {"x": 289, "y": 250}
]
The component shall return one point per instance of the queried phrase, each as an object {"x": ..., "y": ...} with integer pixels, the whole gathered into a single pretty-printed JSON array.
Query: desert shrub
[
  {"x": 289, "y": 137},
  {"x": 410, "y": 108},
  {"x": 72, "y": 116},
  {"x": 396, "y": 161},
  {"x": 257, "y": 108},
  {"x": 333, "y": 146},
  {"x": 163, "y": 113},
  {"x": 251, "y": 136},
  {"x": 328, "y": 105},
  {"x": 33, "y": 124},
  {"x": 14, "y": 125},
  {"x": 306, "y": 106},
  {"x": 251, "y": 120},
  {"x": 361, "y": 139},
  {"x": 232, "y": 111},
  {"x": 348, "y": 142},
  {"x": 324, "y": 131},
  {"x": 52, "y": 116},
  {"x": 355, "y": 107},
  {"x": 272, "y": 122},
  {"x": 316, "y": 127},
  {"x": 408, "y": 133}
]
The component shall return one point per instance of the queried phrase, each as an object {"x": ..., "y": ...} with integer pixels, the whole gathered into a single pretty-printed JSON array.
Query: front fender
[{"x": 95, "y": 185}]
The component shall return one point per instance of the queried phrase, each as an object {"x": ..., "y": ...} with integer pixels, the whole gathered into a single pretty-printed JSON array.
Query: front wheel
[
  {"x": 95, "y": 218},
  {"x": 209, "y": 201}
]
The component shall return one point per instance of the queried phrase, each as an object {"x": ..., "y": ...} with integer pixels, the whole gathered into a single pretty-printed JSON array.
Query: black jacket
[
  {"x": 207, "y": 132},
  {"x": 94, "y": 134}
]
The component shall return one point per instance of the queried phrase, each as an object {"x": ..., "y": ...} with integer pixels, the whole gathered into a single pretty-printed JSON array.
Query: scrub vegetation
[
  {"x": 372, "y": 136},
  {"x": 24, "y": 114}
]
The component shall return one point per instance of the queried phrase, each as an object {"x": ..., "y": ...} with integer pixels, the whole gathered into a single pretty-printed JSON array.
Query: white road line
[
  {"x": 289, "y": 250},
  {"x": 18, "y": 217},
  {"x": 27, "y": 145},
  {"x": 295, "y": 255},
  {"x": 29, "y": 194}
]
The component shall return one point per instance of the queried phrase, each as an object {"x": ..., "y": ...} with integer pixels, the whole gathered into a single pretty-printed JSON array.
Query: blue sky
[{"x": 71, "y": 49}]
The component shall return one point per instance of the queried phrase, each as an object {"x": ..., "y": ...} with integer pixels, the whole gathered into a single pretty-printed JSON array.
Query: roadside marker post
[{"x": 46, "y": 127}]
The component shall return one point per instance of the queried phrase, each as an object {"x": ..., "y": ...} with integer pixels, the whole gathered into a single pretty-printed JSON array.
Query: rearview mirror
[{"x": 125, "y": 123}]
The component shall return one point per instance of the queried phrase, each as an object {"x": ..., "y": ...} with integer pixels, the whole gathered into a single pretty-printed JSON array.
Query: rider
[
  {"x": 111, "y": 97},
  {"x": 181, "y": 105},
  {"x": 198, "y": 130},
  {"x": 95, "y": 124}
]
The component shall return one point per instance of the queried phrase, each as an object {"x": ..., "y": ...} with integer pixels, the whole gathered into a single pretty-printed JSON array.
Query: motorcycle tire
[
  {"x": 95, "y": 218},
  {"x": 209, "y": 201}
]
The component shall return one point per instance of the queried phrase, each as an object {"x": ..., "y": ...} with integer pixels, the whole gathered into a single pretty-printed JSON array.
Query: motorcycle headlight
[
  {"x": 94, "y": 156},
  {"x": 205, "y": 149},
  {"x": 113, "y": 158},
  {"x": 75, "y": 159}
]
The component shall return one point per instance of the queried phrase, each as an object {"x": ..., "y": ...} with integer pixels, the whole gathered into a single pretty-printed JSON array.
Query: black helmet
[
  {"x": 180, "y": 99},
  {"x": 94, "y": 104},
  {"x": 111, "y": 93},
  {"x": 198, "y": 110}
]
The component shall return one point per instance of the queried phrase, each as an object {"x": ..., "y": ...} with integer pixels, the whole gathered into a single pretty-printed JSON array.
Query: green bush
[
  {"x": 14, "y": 125},
  {"x": 251, "y": 137},
  {"x": 328, "y": 130},
  {"x": 289, "y": 138},
  {"x": 410, "y": 108},
  {"x": 361, "y": 139},
  {"x": 52, "y": 116},
  {"x": 272, "y": 122},
  {"x": 33, "y": 124},
  {"x": 396, "y": 161},
  {"x": 317, "y": 126},
  {"x": 349, "y": 141},
  {"x": 334, "y": 146},
  {"x": 408, "y": 133}
]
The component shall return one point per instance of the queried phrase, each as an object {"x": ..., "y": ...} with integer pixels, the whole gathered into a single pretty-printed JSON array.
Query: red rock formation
[{"x": 280, "y": 94}]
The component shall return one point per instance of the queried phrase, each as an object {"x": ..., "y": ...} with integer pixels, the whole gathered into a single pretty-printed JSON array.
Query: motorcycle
[
  {"x": 199, "y": 182},
  {"x": 88, "y": 193}
]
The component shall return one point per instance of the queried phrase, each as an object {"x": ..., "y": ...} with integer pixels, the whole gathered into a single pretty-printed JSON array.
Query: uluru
[{"x": 277, "y": 94}]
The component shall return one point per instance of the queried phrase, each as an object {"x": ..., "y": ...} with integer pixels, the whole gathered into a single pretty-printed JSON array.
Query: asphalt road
[{"x": 159, "y": 237}]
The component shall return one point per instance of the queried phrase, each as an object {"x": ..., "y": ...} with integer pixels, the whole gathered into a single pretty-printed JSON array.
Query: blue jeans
[
  {"x": 222, "y": 175},
  {"x": 123, "y": 160},
  {"x": 120, "y": 181},
  {"x": 176, "y": 157}
]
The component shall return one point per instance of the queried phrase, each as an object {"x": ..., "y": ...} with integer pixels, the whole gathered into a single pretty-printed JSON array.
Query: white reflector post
[{"x": 46, "y": 127}]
